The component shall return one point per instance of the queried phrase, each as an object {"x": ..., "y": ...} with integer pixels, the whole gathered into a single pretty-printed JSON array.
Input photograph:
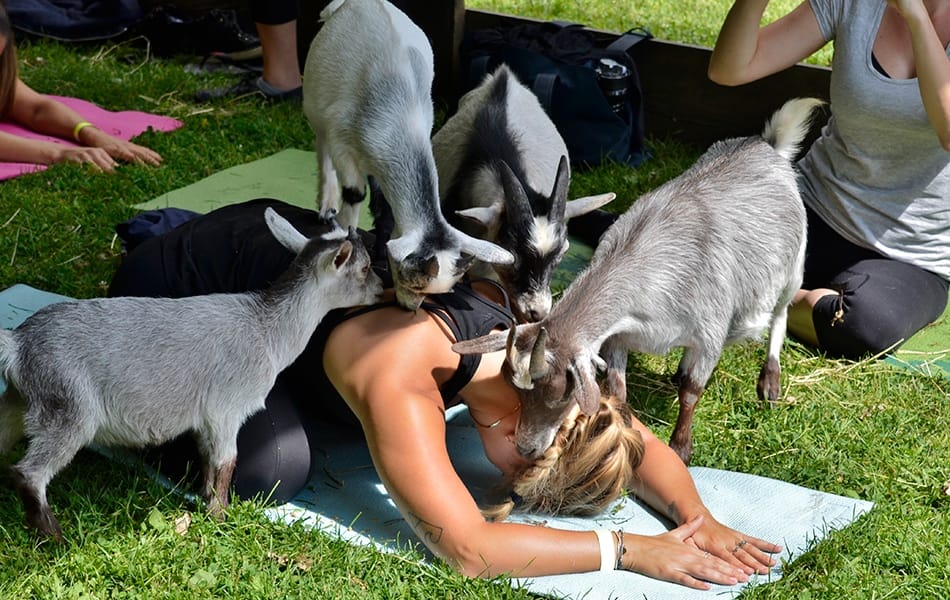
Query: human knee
[{"x": 847, "y": 327}]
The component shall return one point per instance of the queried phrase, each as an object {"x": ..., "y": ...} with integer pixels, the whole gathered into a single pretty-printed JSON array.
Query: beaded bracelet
[
  {"x": 79, "y": 127},
  {"x": 608, "y": 558}
]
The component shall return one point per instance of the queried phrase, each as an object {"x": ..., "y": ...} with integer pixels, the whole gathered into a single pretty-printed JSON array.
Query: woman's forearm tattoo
[
  {"x": 427, "y": 531},
  {"x": 671, "y": 511}
]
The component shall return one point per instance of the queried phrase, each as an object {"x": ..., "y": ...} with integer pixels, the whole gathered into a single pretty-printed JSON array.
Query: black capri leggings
[{"x": 880, "y": 302}]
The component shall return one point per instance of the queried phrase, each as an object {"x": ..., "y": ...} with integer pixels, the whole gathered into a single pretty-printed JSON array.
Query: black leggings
[{"x": 880, "y": 302}]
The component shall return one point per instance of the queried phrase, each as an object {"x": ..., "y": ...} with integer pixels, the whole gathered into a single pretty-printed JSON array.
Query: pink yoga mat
[{"x": 124, "y": 125}]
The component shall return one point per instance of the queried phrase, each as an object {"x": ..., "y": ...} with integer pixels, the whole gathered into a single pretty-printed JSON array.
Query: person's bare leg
[
  {"x": 800, "y": 322},
  {"x": 281, "y": 69}
]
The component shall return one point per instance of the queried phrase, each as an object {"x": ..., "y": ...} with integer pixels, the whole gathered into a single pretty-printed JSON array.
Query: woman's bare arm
[
  {"x": 746, "y": 52},
  {"x": 43, "y": 114},
  {"x": 932, "y": 65},
  {"x": 667, "y": 486},
  {"x": 390, "y": 379}
]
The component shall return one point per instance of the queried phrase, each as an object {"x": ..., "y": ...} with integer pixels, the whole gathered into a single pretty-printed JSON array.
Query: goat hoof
[{"x": 46, "y": 526}]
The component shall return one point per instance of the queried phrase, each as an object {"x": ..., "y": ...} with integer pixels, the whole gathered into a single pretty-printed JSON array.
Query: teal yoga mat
[{"x": 347, "y": 499}]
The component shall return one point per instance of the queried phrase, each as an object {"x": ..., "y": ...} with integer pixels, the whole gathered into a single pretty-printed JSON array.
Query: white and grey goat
[
  {"x": 140, "y": 371},
  {"x": 711, "y": 257},
  {"x": 367, "y": 95},
  {"x": 504, "y": 177}
]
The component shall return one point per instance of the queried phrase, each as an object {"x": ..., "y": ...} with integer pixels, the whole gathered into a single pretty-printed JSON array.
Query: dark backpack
[
  {"x": 74, "y": 20},
  {"x": 600, "y": 118}
]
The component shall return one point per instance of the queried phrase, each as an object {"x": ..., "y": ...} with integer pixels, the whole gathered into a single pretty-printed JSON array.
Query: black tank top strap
[
  {"x": 466, "y": 313},
  {"x": 474, "y": 316}
]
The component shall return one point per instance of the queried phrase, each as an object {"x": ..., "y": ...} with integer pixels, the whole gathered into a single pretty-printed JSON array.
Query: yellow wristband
[{"x": 79, "y": 127}]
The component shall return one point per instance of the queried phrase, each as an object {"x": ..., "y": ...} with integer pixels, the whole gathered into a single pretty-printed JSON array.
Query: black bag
[
  {"x": 597, "y": 109},
  {"x": 74, "y": 20}
]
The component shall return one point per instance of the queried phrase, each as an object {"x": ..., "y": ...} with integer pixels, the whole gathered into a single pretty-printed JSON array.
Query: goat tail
[
  {"x": 331, "y": 8},
  {"x": 789, "y": 125}
]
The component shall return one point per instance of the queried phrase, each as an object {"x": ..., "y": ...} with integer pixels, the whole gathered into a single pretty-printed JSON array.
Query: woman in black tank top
[{"x": 392, "y": 372}]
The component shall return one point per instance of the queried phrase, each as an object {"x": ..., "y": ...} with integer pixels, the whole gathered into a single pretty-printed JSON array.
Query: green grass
[{"x": 865, "y": 429}]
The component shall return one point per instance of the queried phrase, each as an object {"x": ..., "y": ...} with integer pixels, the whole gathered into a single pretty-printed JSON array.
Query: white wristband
[{"x": 608, "y": 550}]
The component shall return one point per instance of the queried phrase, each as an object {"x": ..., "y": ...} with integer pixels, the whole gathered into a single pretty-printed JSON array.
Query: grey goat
[
  {"x": 504, "y": 177},
  {"x": 367, "y": 94},
  {"x": 141, "y": 371},
  {"x": 712, "y": 257}
]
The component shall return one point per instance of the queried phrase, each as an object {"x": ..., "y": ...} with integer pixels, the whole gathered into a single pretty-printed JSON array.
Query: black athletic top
[
  {"x": 466, "y": 313},
  {"x": 231, "y": 250}
]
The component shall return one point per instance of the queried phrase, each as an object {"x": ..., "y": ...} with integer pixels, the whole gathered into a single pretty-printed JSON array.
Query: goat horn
[
  {"x": 539, "y": 364},
  {"x": 516, "y": 201},
  {"x": 559, "y": 191}
]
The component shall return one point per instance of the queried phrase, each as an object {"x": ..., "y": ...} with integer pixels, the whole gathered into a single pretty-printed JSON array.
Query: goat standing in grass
[
  {"x": 504, "y": 177},
  {"x": 141, "y": 371},
  {"x": 711, "y": 257},
  {"x": 367, "y": 94}
]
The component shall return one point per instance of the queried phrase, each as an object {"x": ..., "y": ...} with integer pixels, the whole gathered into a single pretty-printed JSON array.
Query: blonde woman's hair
[
  {"x": 589, "y": 465},
  {"x": 8, "y": 66}
]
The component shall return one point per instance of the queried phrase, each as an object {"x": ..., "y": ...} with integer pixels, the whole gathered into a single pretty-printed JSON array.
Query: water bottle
[{"x": 612, "y": 77}]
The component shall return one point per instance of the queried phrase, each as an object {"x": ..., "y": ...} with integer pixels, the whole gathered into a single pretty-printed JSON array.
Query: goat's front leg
[
  {"x": 217, "y": 486},
  {"x": 681, "y": 441},
  {"x": 694, "y": 371},
  {"x": 218, "y": 448},
  {"x": 328, "y": 184},
  {"x": 769, "y": 384}
]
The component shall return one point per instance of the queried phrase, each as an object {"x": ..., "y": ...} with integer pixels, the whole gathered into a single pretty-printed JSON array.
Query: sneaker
[
  {"x": 215, "y": 31},
  {"x": 247, "y": 86}
]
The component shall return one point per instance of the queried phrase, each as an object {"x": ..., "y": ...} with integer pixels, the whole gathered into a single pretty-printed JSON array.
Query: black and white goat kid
[{"x": 504, "y": 176}]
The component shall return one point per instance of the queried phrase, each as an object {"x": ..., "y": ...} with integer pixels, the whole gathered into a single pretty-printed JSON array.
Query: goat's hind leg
[{"x": 54, "y": 442}]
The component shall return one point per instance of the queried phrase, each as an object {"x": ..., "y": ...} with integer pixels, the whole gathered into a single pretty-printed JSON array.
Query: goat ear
[
  {"x": 285, "y": 233},
  {"x": 343, "y": 254},
  {"x": 486, "y": 216},
  {"x": 401, "y": 247},
  {"x": 586, "y": 389},
  {"x": 484, "y": 251},
  {"x": 487, "y": 343},
  {"x": 582, "y": 206}
]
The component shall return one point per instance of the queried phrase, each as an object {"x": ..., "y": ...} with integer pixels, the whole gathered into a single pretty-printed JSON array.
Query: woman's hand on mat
[
  {"x": 745, "y": 552},
  {"x": 97, "y": 157},
  {"x": 671, "y": 557},
  {"x": 120, "y": 149}
]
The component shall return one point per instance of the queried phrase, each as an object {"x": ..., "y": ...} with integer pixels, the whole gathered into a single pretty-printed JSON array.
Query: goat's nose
[{"x": 527, "y": 452}]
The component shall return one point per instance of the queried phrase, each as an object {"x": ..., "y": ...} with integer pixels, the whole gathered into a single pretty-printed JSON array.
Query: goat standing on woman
[
  {"x": 367, "y": 93},
  {"x": 141, "y": 371},
  {"x": 712, "y": 257},
  {"x": 504, "y": 177}
]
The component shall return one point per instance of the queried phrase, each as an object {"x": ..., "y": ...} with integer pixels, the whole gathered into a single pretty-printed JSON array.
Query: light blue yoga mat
[{"x": 346, "y": 498}]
